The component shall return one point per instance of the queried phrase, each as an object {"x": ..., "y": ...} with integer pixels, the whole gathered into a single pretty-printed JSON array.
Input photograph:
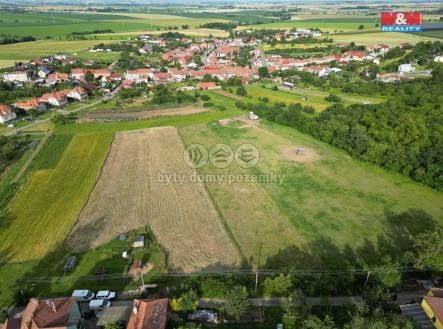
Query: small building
[
  {"x": 404, "y": 69},
  {"x": 300, "y": 151},
  {"x": 253, "y": 116},
  {"x": 18, "y": 76},
  {"x": 139, "y": 242},
  {"x": 6, "y": 113},
  {"x": 288, "y": 85},
  {"x": 206, "y": 85}
]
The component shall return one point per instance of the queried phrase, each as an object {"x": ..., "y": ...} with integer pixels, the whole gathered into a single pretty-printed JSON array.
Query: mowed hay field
[
  {"x": 250, "y": 215},
  {"x": 44, "y": 211},
  {"x": 129, "y": 196},
  {"x": 329, "y": 207}
]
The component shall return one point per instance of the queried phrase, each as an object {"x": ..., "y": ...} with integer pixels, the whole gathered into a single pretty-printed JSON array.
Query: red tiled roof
[
  {"x": 150, "y": 314},
  {"x": 31, "y": 103},
  {"x": 5, "y": 109},
  {"x": 436, "y": 305},
  {"x": 205, "y": 85},
  {"x": 47, "y": 313}
]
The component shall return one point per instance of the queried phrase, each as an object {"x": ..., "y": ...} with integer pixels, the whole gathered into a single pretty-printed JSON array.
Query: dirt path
[
  {"x": 112, "y": 116},
  {"x": 227, "y": 94}
]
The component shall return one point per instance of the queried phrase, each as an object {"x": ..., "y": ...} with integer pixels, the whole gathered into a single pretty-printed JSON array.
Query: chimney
[{"x": 53, "y": 306}]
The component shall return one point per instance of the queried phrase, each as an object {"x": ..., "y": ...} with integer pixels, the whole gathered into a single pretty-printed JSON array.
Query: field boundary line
[
  {"x": 28, "y": 162},
  {"x": 220, "y": 215},
  {"x": 92, "y": 189}
]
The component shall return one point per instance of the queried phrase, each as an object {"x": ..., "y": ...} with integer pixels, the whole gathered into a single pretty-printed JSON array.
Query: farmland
[
  {"x": 315, "y": 97},
  {"x": 41, "y": 215},
  {"x": 180, "y": 216},
  {"x": 319, "y": 198}
]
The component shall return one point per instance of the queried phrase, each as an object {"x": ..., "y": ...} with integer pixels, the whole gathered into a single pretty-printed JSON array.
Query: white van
[
  {"x": 83, "y": 295},
  {"x": 105, "y": 294},
  {"x": 99, "y": 304}
]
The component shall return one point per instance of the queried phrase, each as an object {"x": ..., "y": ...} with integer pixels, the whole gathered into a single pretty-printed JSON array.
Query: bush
[
  {"x": 332, "y": 98},
  {"x": 58, "y": 119}
]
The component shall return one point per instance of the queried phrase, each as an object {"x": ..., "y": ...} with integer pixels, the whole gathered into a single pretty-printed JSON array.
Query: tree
[
  {"x": 428, "y": 250},
  {"x": 89, "y": 76},
  {"x": 241, "y": 91},
  {"x": 389, "y": 273},
  {"x": 189, "y": 301},
  {"x": 296, "y": 310},
  {"x": 112, "y": 325},
  {"x": 58, "y": 119},
  {"x": 263, "y": 72},
  {"x": 278, "y": 286},
  {"x": 32, "y": 113},
  {"x": 237, "y": 303},
  {"x": 314, "y": 322},
  {"x": 361, "y": 27}
]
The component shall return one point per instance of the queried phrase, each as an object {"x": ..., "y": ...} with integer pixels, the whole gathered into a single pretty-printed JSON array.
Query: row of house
[
  {"x": 67, "y": 313},
  {"x": 56, "y": 98}
]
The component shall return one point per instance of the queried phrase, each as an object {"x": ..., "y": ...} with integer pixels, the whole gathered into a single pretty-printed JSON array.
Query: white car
[
  {"x": 105, "y": 294},
  {"x": 10, "y": 125},
  {"x": 83, "y": 295},
  {"x": 99, "y": 304}
]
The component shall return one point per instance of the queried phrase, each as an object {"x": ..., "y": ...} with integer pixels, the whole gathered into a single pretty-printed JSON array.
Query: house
[
  {"x": 78, "y": 93},
  {"x": 433, "y": 307},
  {"x": 139, "y": 74},
  {"x": 78, "y": 74},
  {"x": 404, "y": 69},
  {"x": 206, "y": 85},
  {"x": 148, "y": 314},
  {"x": 226, "y": 51},
  {"x": 58, "y": 98},
  {"x": 59, "y": 313},
  {"x": 18, "y": 76},
  {"x": 139, "y": 242},
  {"x": 55, "y": 77},
  {"x": 31, "y": 104},
  {"x": 320, "y": 70},
  {"x": 6, "y": 113}
]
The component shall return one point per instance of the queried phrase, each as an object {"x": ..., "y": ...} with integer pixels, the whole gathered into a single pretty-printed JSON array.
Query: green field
[
  {"x": 42, "y": 25},
  {"x": 38, "y": 219},
  {"x": 31, "y": 50},
  {"x": 390, "y": 38},
  {"x": 315, "y": 96},
  {"x": 324, "y": 24},
  {"x": 330, "y": 208}
]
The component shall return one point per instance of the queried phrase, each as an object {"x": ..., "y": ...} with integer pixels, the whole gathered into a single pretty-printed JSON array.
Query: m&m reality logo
[{"x": 401, "y": 22}]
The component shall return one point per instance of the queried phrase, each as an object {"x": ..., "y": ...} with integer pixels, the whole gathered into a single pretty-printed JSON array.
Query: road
[{"x": 37, "y": 122}]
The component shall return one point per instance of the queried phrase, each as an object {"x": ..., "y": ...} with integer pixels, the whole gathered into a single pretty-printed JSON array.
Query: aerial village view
[{"x": 253, "y": 164}]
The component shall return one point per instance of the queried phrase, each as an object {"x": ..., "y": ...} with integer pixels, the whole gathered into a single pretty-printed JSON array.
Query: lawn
[
  {"x": 329, "y": 208},
  {"x": 39, "y": 218}
]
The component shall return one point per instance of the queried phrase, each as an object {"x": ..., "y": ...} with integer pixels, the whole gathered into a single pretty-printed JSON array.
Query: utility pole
[
  {"x": 367, "y": 278},
  {"x": 258, "y": 267}
]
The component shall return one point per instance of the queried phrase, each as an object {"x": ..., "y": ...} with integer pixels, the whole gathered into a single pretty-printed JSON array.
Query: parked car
[
  {"x": 83, "y": 295},
  {"x": 99, "y": 304},
  {"x": 70, "y": 264},
  {"x": 105, "y": 294}
]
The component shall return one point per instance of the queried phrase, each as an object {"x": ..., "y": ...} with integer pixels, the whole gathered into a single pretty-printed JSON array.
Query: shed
[{"x": 139, "y": 242}]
